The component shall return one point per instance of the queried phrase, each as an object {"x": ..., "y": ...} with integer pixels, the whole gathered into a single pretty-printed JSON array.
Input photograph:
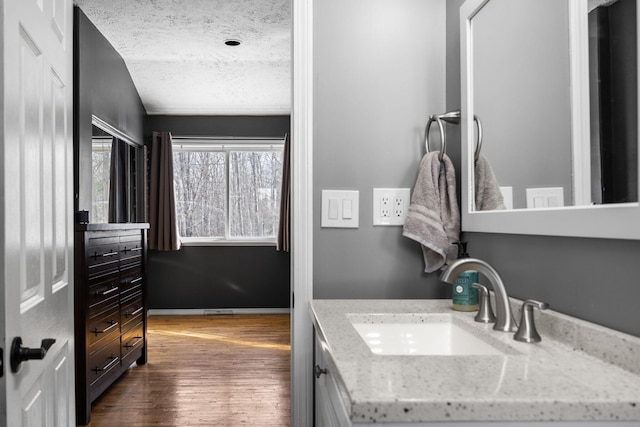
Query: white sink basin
[{"x": 434, "y": 335}]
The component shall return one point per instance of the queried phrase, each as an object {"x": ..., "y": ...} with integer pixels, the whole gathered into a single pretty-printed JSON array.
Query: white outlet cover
[{"x": 397, "y": 214}]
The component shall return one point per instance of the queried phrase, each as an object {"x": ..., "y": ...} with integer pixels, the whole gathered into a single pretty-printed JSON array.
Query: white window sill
[{"x": 201, "y": 241}]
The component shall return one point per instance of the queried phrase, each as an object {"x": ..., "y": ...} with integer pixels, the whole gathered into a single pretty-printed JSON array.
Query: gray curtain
[
  {"x": 284, "y": 227},
  {"x": 118, "y": 191},
  {"x": 163, "y": 227}
]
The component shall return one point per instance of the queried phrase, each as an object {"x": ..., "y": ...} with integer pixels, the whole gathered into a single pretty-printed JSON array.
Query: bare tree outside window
[
  {"x": 254, "y": 193},
  {"x": 101, "y": 163},
  {"x": 200, "y": 183},
  {"x": 228, "y": 193}
]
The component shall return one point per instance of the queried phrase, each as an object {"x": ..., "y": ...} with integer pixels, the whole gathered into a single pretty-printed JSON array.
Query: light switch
[
  {"x": 347, "y": 209},
  {"x": 538, "y": 202},
  {"x": 340, "y": 209},
  {"x": 333, "y": 208}
]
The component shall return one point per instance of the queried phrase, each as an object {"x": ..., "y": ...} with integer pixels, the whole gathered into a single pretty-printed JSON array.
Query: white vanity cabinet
[
  {"x": 580, "y": 374},
  {"x": 329, "y": 407}
]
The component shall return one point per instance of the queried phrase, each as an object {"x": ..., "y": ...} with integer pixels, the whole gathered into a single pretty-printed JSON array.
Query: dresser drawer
[
  {"x": 104, "y": 327},
  {"x": 99, "y": 254},
  {"x": 130, "y": 250},
  {"x": 102, "y": 291},
  {"x": 131, "y": 310},
  {"x": 132, "y": 342},
  {"x": 106, "y": 266},
  {"x": 103, "y": 361},
  {"x": 130, "y": 281}
]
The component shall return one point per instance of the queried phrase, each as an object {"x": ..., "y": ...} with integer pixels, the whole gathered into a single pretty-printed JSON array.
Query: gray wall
[
  {"x": 592, "y": 279},
  {"x": 524, "y": 84},
  {"x": 366, "y": 125},
  {"x": 102, "y": 87},
  {"x": 219, "y": 276},
  {"x": 378, "y": 75}
]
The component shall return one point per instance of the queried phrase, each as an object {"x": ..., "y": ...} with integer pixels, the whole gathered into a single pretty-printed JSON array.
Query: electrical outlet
[
  {"x": 398, "y": 207},
  {"x": 390, "y": 205},
  {"x": 385, "y": 207}
]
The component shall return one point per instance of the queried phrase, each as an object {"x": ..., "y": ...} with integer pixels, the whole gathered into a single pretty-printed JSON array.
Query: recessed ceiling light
[{"x": 232, "y": 42}]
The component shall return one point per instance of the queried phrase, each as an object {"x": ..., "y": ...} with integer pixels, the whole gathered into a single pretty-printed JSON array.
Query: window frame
[{"x": 226, "y": 145}]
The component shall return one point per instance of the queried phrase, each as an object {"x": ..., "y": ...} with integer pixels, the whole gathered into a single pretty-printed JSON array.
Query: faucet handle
[
  {"x": 527, "y": 331},
  {"x": 485, "y": 313}
]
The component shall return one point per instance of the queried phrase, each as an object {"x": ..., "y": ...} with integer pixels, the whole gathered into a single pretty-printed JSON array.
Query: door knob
[{"x": 21, "y": 354}]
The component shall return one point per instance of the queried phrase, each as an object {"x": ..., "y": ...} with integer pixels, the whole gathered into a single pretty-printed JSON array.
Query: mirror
[
  {"x": 536, "y": 80},
  {"x": 507, "y": 75},
  {"x": 115, "y": 162}
]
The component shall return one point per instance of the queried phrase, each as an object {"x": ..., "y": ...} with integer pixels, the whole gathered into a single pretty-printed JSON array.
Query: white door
[{"x": 36, "y": 205}]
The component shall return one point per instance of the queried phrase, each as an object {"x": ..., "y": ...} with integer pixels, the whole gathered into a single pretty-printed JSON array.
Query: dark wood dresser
[{"x": 110, "y": 307}]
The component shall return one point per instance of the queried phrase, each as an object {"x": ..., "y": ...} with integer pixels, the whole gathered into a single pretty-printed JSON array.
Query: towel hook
[
  {"x": 443, "y": 145},
  {"x": 454, "y": 118}
]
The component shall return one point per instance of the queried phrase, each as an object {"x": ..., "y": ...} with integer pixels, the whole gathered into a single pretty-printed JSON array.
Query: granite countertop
[{"x": 579, "y": 371}]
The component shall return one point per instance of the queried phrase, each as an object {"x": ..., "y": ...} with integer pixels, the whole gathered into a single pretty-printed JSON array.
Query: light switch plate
[
  {"x": 549, "y": 197},
  {"x": 507, "y": 197},
  {"x": 340, "y": 209}
]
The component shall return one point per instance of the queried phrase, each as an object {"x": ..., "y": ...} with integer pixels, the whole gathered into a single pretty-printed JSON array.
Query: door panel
[
  {"x": 30, "y": 101},
  {"x": 33, "y": 406},
  {"x": 61, "y": 377},
  {"x": 36, "y": 209}
]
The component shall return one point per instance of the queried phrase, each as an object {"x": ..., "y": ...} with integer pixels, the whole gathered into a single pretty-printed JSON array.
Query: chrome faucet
[{"x": 504, "y": 318}]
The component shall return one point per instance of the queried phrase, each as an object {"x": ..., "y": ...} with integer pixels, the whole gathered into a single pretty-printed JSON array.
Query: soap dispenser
[{"x": 464, "y": 295}]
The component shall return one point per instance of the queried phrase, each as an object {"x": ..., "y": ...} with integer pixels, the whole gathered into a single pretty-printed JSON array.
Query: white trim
[
  {"x": 230, "y": 110},
  {"x": 580, "y": 107},
  {"x": 302, "y": 215},
  {"x": 214, "y": 311},
  {"x": 101, "y": 124},
  {"x": 204, "y": 241},
  {"x": 227, "y": 143}
]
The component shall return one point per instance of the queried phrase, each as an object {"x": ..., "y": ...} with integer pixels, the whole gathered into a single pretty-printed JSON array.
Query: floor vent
[{"x": 217, "y": 312}]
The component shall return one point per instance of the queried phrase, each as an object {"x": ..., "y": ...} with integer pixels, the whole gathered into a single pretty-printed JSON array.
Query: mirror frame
[
  {"x": 616, "y": 221},
  {"x": 99, "y": 123},
  {"x": 139, "y": 214}
]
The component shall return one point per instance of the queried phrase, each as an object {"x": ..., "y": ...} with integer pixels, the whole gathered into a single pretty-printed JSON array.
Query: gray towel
[
  {"x": 433, "y": 217},
  {"x": 487, "y": 192}
]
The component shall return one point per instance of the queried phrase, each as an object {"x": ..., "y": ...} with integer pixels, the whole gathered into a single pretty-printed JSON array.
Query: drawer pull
[
  {"x": 107, "y": 291},
  {"x": 114, "y": 360},
  {"x": 138, "y": 249},
  {"x": 138, "y": 341},
  {"x": 135, "y": 313},
  {"x": 112, "y": 325},
  {"x": 139, "y": 279},
  {"x": 110, "y": 254}
]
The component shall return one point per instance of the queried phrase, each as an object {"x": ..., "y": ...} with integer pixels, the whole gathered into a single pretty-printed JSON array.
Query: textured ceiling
[{"x": 175, "y": 52}]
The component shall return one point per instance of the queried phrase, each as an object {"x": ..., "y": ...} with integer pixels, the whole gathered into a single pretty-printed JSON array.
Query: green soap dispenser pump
[{"x": 464, "y": 296}]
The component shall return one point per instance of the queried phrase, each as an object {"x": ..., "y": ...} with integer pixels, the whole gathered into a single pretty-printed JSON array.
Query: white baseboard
[{"x": 214, "y": 311}]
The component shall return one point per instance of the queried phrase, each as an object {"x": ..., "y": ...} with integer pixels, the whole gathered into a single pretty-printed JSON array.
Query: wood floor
[{"x": 231, "y": 370}]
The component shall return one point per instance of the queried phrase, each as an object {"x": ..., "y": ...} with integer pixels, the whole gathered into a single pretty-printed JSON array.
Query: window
[{"x": 227, "y": 190}]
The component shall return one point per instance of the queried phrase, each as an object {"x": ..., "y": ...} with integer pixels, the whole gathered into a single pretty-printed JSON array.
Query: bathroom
[
  {"x": 373, "y": 137},
  {"x": 391, "y": 67},
  {"x": 367, "y": 75}
]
